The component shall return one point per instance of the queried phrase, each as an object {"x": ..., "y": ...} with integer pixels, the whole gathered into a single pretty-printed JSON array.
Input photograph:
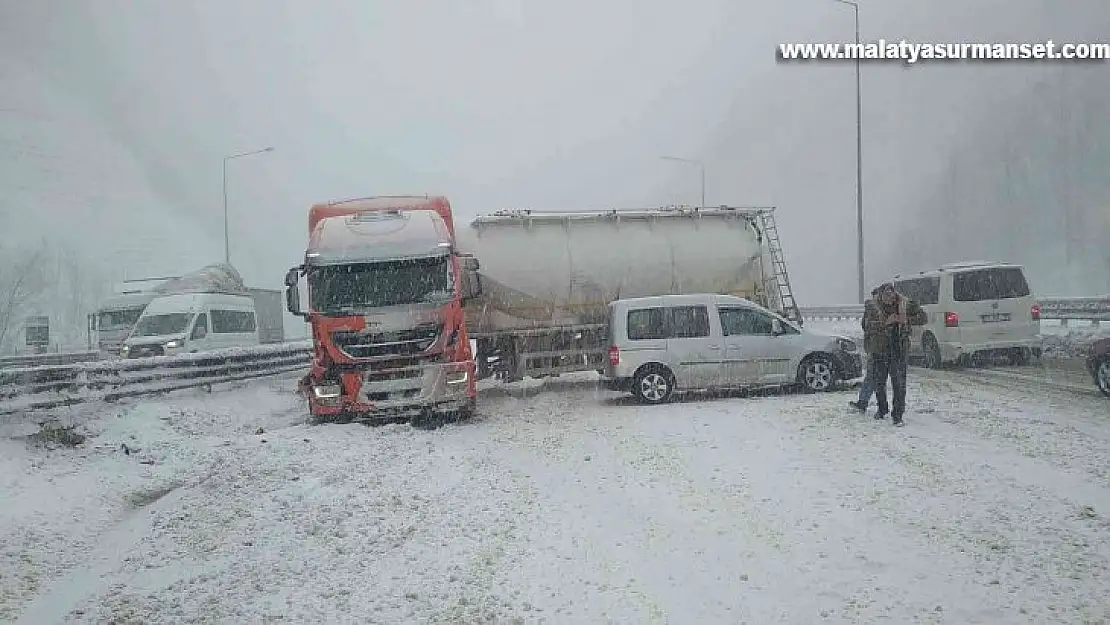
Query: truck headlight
[
  {"x": 846, "y": 345},
  {"x": 457, "y": 377},
  {"x": 326, "y": 391}
]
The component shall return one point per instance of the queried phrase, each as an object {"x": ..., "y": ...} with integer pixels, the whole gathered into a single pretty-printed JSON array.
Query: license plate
[{"x": 996, "y": 317}]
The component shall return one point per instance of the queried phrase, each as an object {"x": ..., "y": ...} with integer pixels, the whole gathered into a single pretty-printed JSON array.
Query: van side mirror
[
  {"x": 470, "y": 279},
  {"x": 776, "y": 327}
]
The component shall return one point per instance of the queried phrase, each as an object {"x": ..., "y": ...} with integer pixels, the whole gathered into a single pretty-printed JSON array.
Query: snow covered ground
[{"x": 564, "y": 504}]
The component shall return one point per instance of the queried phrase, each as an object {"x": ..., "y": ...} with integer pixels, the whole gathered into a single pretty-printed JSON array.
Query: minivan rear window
[
  {"x": 646, "y": 323},
  {"x": 677, "y": 322},
  {"x": 924, "y": 291},
  {"x": 989, "y": 284}
]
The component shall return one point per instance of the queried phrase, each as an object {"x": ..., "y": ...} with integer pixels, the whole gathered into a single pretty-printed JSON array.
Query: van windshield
[
  {"x": 989, "y": 284},
  {"x": 162, "y": 325}
]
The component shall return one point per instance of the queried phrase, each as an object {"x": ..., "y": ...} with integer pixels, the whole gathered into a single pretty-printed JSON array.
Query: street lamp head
[{"x": 268, "y": 149}]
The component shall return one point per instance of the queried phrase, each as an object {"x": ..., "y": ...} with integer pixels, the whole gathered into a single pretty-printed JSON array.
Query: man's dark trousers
[{"x": 890, "y": 363}]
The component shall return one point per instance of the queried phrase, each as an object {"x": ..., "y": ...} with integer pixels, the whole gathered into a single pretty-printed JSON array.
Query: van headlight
[
  {"x": 846, "y": 345},
  {"x": 174, "y": 344}
]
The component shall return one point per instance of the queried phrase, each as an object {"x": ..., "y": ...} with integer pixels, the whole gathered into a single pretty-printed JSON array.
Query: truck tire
[
  {"x": 1102, "y": 376},
  {"x": 653, "y": 384}
]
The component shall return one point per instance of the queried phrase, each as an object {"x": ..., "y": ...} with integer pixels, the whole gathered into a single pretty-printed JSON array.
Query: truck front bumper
[{"x": 395, "y": 394}]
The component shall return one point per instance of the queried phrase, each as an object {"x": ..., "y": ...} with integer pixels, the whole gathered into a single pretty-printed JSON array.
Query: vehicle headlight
[
  {"x": 846, "y": 345},
  {"x": 123, "y": 349},
  {"x": 175, "y": 344}
]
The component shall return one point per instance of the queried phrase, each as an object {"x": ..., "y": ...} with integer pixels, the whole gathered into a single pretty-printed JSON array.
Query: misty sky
[{"x": 506, "y": 104}]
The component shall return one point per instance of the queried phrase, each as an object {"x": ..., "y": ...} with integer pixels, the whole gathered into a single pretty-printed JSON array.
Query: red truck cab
[{"x": 385, "y": 303}]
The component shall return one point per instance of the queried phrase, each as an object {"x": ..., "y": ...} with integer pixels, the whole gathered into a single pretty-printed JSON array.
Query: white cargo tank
[{"x": 562, "y": 269}]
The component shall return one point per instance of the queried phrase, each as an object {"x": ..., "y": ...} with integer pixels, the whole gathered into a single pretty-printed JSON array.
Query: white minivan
[
  {"x": 975, "y": 309},
  {"x": 192, "y": 322},
  {"x": 661, "y": 344}
]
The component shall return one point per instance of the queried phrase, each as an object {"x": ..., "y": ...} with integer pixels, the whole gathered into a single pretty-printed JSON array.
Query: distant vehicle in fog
[
  {"x": 975, "y": 309},
  {"x": 114, "y": 319}
]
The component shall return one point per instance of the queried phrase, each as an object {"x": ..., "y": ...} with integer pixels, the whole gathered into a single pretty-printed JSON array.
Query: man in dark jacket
[
  {"x": 889, "y": 346},
  {"x": 867, "y": 387}
]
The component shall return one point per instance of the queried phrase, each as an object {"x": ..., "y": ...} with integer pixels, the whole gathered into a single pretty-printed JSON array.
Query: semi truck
[
  {"x": 396, "y": 293},
  {"x": 114, "y": 319}
]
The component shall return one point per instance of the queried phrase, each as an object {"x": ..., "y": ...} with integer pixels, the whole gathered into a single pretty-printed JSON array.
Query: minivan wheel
[
  {"x": 931, "y": 348},
  {"x": 1102, "y": 376},
  {"x": 653, "y": 384},
  {"x": 817, "y": 373}
]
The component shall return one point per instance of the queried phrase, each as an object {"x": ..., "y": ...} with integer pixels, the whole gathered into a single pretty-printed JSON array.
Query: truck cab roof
[{"x": 376, "y": 236}]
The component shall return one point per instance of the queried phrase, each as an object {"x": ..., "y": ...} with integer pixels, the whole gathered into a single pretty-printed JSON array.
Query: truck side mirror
[
  {"x": 470, "y": 279},
  {"x": 293, "y": 301},
  {"x": 293, "y": 276}
]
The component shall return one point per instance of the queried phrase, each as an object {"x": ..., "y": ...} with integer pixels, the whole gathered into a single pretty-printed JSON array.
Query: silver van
[{"x": 659, "y": 345}]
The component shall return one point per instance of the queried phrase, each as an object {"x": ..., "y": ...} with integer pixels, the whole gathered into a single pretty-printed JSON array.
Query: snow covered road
[{"x": 568, "y": 506}]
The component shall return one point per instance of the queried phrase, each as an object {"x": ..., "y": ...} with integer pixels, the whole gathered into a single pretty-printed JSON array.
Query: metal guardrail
[
  {"x": 34, "y": 360},
  {"x": 1057, "y": 308},
  {"x": 53, "y": 385}
]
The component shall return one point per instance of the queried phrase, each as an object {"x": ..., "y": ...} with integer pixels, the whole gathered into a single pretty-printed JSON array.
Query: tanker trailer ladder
[{"x": 786, "y": 296}]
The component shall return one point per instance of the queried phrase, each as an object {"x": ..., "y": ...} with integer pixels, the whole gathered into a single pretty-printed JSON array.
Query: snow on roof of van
[{"x": 216, "y": 278}]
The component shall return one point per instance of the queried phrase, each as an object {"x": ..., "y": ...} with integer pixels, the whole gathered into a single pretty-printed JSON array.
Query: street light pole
[
  {"x": 700, "y": 164},
  {"x": 227, "y": 242},
  {"x": 859, "y": 154}
]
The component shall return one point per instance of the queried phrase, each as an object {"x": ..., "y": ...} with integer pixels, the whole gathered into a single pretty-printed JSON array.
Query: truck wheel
[
  {"x": 817, "y": 373},
  {"x": 931, "y": 348},
  {"x": 1020, "y": 356},
  {"x": 1102, "y": 376},
  {"x": 653, "y": 384}
]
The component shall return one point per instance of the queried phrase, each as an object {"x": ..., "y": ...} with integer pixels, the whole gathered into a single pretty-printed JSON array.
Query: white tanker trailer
[{"x": 547, "y": 278}]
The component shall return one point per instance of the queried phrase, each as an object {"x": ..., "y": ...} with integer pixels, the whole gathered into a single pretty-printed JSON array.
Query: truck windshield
[
  {"x": 162, "y": 325},
  {"x": 113, "y": 319},
  {"x": 345, "y": 288}
]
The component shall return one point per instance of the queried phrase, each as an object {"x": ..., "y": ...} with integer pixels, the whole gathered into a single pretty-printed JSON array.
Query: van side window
[
  {"x": 987, "y": 284},
  {"x": 745, "y": 321},
  {"x": 646, "y": 323},
  {"x": 200, "y": 330},
  {"x": 689, "y": 322},
  {"x": 232, "y": 321},
  {"x": 924, "y": 291}
]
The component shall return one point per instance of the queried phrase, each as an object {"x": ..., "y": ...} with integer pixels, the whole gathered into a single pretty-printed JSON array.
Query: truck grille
[{"x": 378, "y": 344}]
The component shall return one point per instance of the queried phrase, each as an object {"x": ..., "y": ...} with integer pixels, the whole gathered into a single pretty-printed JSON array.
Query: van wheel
[
  {"x": 653, "y": 384},
  {"x": 817, "y": 373},
  {"x": 931, "y": 348}
]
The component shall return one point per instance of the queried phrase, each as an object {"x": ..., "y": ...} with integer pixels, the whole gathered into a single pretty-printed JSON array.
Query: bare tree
[{"x": 21, "y": 280}]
